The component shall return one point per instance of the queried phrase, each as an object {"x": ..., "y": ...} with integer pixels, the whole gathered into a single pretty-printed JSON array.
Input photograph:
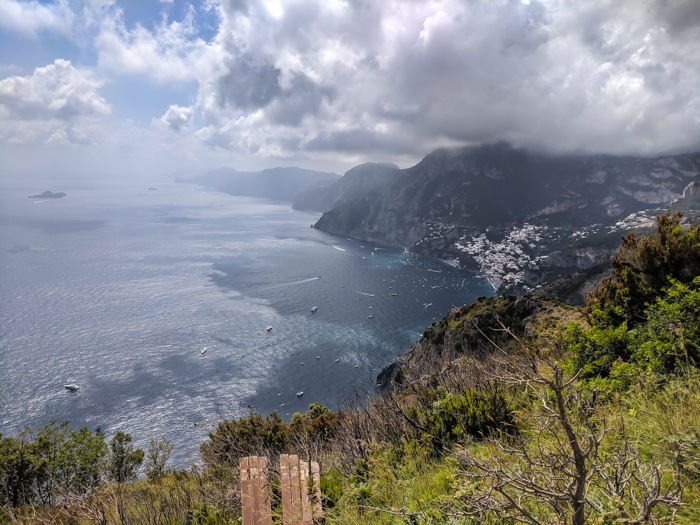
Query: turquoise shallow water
[{"x": 118, "y": 289}]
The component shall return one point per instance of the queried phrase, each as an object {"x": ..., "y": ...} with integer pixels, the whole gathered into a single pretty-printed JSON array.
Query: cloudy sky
[{"x": 129, "y": 87}]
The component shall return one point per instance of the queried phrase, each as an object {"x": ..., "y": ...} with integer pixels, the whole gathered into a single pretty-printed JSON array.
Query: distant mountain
[
  {"x": 519, "y": 218},
  {"x": 282, "y": 184},
  {"x": 357, "y": 182}
]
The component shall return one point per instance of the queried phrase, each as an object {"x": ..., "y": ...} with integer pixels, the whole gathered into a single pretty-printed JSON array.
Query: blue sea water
[{"x": 118, "y": 288}]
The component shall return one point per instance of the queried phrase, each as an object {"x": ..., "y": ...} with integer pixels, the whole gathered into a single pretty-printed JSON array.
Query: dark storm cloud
[
  {"x": 302, "y": 98},
  {"x": 360, "y": 140},
  {"x": 250, "y": 83}
]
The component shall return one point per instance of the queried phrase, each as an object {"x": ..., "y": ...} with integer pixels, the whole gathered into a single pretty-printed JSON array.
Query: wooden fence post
[
  {"x": 316, "y": 476},
  {"x": 299, "y": 506},
  {"x": 246, "y": 497},
  {"x": 286, "y": 486},
  {"x": 265, "y": 503},
  {"x": 295, "y": 516},
  {"x": 306, "y": 518}
]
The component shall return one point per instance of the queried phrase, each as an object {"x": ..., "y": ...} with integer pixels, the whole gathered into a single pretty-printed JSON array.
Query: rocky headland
[{"x": 520, "y": 219}]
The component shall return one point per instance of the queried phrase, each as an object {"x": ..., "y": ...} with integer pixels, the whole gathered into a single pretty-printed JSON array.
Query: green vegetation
[{"x": 522, "y": 410}]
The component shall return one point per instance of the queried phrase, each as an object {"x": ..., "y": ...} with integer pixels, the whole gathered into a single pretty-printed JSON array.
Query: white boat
[
  {"x": 370, "y": 316},
  {"x": 203, "y": 351},
  {"x": 318, "y": 357},
  {"x": 269, "y": 328},
  {"x": 72, "y": 388},
  {"x": 337, "y": 360},
  {"x": 299, "y": 394},
  {"x": 314, "y": 308}
]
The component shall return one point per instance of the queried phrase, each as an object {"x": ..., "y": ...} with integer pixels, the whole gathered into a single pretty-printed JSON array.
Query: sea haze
[{"x": 118, "y": 289}]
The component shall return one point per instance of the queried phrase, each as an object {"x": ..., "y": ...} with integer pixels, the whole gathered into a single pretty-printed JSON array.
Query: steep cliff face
[
  {"x": 502, "y": 211},
  {"x": 356, "y": 183},
  {"x": 473, "y": 329}
]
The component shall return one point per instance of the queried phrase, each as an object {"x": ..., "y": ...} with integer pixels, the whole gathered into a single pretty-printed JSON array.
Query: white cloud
[
  {"x": 169, "y": 53},
  {"x": 31, "y": 17},
  {"x": 399, "y": 77},
  {"x": 56, "y": 102},
  {"x": 395, "y": 79},
  {"x": 177, "y": 117}
]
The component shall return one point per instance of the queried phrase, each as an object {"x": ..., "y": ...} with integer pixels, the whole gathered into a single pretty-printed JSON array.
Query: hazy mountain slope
[
  {"x": 354, "y": 184},
  {"x": 275, "y": 183},
  {"x": 504, "y": 211}
]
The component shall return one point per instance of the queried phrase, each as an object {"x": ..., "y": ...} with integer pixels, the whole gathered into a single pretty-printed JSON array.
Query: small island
[{"x": 49, "y": 195}]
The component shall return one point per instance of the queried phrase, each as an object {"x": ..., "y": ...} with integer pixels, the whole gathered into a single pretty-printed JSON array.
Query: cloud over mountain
[{"x": 321, "y": 78}]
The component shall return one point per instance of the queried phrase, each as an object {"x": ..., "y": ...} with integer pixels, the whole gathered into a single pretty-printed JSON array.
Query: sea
[{"x": 155, "y": 298}]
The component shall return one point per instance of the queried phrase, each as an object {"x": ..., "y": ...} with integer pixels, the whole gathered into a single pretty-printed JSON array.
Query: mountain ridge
[
  {"x": 519, "y": 218},
  {"x": 283, "y": 184}
]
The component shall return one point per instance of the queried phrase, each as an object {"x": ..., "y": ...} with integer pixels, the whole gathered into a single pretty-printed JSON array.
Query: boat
[
  {"x": 370, "y": 316},
  {"x": 337, "y": 360},
  {"x": 314, "y": 308},
  {"x": 393, "y": 294},
  {"x": 203, "y": 351},
  {"x": 72, "y": 388},
  {"x": 299, "y": 394},
  {"x": 268, "y": 329},
  {"x": 318, "y": 357}
]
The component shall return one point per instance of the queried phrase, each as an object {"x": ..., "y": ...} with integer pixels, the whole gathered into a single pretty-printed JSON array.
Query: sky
[{"x": 131, "y": 88}]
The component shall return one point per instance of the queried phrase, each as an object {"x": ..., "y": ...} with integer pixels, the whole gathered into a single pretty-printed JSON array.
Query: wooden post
[
  {"x": 316, "y": 476},
  {"x": 246, "y": 499},
  {"x": 306, "y": 518},
  {"x": 265, "y": 503},
  {"x": 255, "y": 488},
  {"x": 286, "y": 486},
  {"x": 296, "y": 499}
]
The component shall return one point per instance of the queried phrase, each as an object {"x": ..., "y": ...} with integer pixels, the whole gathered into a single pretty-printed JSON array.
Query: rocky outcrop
[
  {"x": 474, "y": 329},
  {"x": 692, "y": 191},
  {"x": 49, "y": 195}
]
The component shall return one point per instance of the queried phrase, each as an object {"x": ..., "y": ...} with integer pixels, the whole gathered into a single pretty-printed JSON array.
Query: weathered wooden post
[
  {"x": 255, "y": 493},
  {"x": 306, "y": 518},
  {"x": 316, "y": 476},
  {"x": 299, "y": 507},
  {"x": 246, "y": 493},
  {"x": 286, "y": 486},
  {"x": 265, "y": 503}
]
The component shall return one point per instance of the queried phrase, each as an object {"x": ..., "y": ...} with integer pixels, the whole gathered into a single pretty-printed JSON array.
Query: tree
[
  {"x": 248, "y": 436},
  {"x": 643, "y": 268},
  {"x": 566, "y": 463},
  {"x": 159, "y": 450},
  {"x": 18, "y": 470},
  {"x": 68, "y": 459},
  {"x": 124, "y": 461}
]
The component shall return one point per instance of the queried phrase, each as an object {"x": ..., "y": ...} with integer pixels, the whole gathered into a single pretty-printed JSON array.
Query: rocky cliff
[
  {"x": 519, "y": 218},
  {"x": 472, "y": 330}
]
